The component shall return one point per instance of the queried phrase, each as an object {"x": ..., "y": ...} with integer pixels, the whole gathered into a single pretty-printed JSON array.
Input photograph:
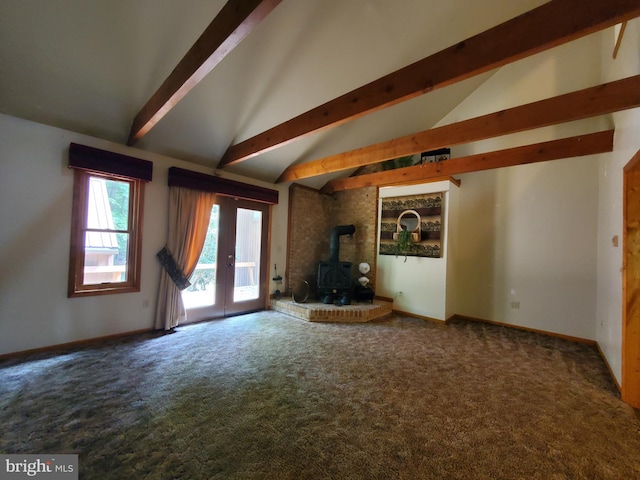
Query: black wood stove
[{"x": 334, "y": 276}]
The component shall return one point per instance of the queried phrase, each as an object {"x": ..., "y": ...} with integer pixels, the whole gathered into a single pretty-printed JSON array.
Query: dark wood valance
[
  {"x": 179, "y": 177},
  {"x": 96, "y": 160}
]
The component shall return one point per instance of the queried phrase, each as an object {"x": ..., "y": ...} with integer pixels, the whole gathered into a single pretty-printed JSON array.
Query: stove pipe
[{"x": 334, "y": 240}]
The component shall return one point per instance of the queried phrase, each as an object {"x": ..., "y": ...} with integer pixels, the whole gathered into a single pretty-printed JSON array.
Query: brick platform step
[{"x": 319, "y": 312}]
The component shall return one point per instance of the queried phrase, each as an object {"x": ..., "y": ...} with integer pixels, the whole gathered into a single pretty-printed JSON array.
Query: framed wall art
[{"x": 412, "y": 225}]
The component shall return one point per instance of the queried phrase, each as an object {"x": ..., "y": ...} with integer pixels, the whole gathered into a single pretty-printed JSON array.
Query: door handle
[{"x": 230, "y": 262}]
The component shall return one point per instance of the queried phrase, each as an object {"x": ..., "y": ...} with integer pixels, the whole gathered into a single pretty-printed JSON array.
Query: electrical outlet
[
  {"x": 145, "y": 303},
  {"x": 515, "y": 305}
]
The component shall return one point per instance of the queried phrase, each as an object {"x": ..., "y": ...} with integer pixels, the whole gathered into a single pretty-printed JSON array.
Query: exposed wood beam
[
  {"x": 553, "y": 23},
  {"x": 619, "y": 39},
  {"x": 233, "y": 23},
  {"x": 590, "y": 144},
  {"x": 599, "y": 100}
]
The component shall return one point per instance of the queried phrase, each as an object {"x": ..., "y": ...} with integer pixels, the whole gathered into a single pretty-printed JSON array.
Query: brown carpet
[{"x": 269, "y": 396}]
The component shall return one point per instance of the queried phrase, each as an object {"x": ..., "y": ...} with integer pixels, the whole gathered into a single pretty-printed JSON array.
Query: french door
[{"x": 231, "y": 276}]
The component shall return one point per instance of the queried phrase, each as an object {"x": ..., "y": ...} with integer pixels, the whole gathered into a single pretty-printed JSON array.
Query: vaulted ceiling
[{"x": 91, "y": 66}]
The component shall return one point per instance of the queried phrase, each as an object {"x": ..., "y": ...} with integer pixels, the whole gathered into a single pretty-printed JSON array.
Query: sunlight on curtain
[
  {"x": 202, "y": 292},
  {"x": 189, "y": 214}
]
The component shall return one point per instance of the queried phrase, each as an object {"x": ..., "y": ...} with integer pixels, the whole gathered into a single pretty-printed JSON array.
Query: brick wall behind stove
[
  {"x": 312, "y": 216},
  {"x": 358, "y": 207},
  {"x": 308, "y": 222}
]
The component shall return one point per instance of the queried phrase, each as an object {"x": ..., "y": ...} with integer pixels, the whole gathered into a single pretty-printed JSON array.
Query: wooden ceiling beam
[
  {"x": 551, "y": 24},
  {"x": 234, "y": 22},
  {"x": 606, "y": 98},
  {"x": 578, "y": 146}
]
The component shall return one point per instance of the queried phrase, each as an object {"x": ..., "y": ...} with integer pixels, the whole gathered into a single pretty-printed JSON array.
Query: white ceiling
[{"x": 90, "y": 65}]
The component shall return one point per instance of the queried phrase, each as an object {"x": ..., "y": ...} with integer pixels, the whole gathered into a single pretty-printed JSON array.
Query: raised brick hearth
[{"x": 319, "y": 312}]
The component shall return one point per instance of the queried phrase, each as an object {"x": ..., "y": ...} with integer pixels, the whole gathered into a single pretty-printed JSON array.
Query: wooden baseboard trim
[
  {"x": 75, "y": 344},
  {"x": 527, "y": 329},
  {"x": 606, "y": 363},
  {"x": 415, "y": 315},
  {"x": 90, "y": 341},
  {"x": 383, "y": 299},
  {"x": 551, "y": 334}
]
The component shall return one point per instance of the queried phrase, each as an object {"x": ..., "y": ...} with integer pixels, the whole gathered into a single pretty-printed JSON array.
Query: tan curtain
[{"x": 189, "y": 215}]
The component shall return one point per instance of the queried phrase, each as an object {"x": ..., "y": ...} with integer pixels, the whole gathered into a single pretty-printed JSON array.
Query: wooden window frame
[{"x": 77, "y": 288}]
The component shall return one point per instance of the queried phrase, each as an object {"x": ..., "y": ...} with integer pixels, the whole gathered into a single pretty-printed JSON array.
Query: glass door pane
[
  {"x": 247, "y": 252},
  {"x": 230, "y": 277},
  {"x": 246, "y": 271},
  {"x": 202, "y": 292}
]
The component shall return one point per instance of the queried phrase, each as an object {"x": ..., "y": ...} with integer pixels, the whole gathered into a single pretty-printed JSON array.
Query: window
[{"x": 106, "y": 224}]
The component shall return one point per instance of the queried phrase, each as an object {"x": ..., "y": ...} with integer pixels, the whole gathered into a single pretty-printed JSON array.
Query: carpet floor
[{"x": 267, "y": 396}]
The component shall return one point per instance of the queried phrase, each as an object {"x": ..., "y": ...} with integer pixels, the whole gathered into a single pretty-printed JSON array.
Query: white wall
[
  {"x": 35, "y": 213},
  {"x": 420, "y": 286},
  {"x": 528, "y": 234},
  {"x": 610, "y": 222}
]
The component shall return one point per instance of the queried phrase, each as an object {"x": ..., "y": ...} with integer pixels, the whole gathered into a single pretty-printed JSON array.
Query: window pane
[
  {"x": 105, "y": 223},
  {"x": 105, "y": 257},
  {"x": 108, "y": 204},
  {"x": 202, "y": 292},
  {"x": 248, "y": 240}
]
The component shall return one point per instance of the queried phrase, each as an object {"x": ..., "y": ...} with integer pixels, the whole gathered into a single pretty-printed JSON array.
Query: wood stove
[{"x": 334, "y": 276}]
